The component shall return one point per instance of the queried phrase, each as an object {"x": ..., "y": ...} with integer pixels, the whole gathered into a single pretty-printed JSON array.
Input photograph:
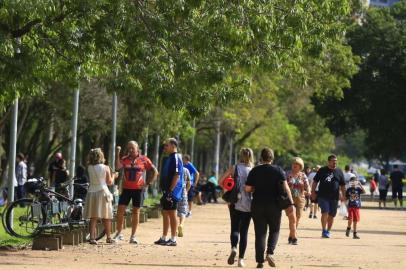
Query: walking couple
[{"x": 259, "y": 188}]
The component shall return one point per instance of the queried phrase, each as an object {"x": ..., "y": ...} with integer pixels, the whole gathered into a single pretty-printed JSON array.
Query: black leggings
[{"x": 240, "y": 223}]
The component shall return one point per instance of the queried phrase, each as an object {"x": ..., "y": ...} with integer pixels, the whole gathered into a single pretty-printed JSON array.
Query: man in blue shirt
[
  {"x": 171, "y": 185},
  {"x": 194, "y": 179}
]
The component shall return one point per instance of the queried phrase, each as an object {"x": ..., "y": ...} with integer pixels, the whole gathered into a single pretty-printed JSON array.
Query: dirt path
[{"x": 206, "y": 246}]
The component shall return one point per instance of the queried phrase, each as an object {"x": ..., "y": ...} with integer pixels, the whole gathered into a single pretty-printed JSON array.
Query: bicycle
[{"x": 45, "y": 210}]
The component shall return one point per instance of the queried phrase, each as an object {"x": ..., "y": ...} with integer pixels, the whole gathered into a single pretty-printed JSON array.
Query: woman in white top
[
  {"x": 240, "y": 212},
  {"x": 99, "y": 199}
]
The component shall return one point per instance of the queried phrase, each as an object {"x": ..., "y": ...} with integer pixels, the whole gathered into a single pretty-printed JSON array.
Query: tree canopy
[{"x": 375, "y": 101}]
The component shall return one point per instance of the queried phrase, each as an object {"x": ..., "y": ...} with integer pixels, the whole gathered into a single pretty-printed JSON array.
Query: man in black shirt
[
  {"x": 397, "y": 185},
  {"x": 331, "y": 182},
  {"x": 264, "y": 181}
]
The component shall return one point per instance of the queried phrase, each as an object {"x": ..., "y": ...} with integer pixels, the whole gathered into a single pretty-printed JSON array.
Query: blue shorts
[
  {"x": 191, "y": 194},
  {"x": 328, "y": 206}
]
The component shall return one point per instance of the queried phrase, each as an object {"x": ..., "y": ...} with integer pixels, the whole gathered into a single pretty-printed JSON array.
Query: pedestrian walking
[
  {"x": 383, "y": 186},
  {"x": 396, "y": 178},
  {"x": 194, "y": 180},
  {"x": 264, "y": 181},
  {"x": 331, "y": 183},
  {"x": 314, "y": 205},
  {"x": 98, "y": 203},
  {"x": 353, "y": 195},
  {"x": 299, "y": 188},
  {"x": 183, "y": 206},
  {"x": 240, "y": 211},
  {"x": 171, "y": 185},
  {"x": 134, "y": 165}
]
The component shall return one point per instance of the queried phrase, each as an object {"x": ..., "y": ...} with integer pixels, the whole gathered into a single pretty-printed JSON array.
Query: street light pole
[{"x": 74, "y": 130}]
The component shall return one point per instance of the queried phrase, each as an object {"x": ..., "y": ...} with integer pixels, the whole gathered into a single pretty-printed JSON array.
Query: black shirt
[
  {"x": 329, "y": 182},
  {"x": 396, "y": 178},
  {"x": 265, "y": 179}
]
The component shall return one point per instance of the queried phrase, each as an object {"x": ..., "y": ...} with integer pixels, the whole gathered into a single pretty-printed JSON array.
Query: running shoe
[
  {"x": 310, "y": 215},
  {"x": 347, "y": 232},
  {"x": 161, "y": 242},
  {"x": 325, "y": 234},
  {"x": 314, "y": 216},
  {"x": 231, "y": 258},
  {"x": 118, "y": 237},
  {"x": 133, "y": 240},
  {"x": 171, "y": 243},
  {"x": 294, "y": 241},
  {"x": 289, "y": 240},
  {"x": 241, "y": 262},
  {"x": 355, "y": 236},
  {"x": 189, "y": 214},
  {"x": 260, "y": 265},
  {"x": 180, "y": 231},
  {"x": 270, "y": 260}
]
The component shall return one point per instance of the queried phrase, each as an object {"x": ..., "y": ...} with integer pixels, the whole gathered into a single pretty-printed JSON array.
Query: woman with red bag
[{"x": 240, "y": 212}]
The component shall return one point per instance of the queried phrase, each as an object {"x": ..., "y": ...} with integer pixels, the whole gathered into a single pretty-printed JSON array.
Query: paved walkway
[{"x": 206, "y": 246}]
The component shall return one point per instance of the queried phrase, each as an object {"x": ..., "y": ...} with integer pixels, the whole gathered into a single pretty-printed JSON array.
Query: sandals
[
  {"x": 110, "y": 241},
  {"x": 93, "y": 242}
]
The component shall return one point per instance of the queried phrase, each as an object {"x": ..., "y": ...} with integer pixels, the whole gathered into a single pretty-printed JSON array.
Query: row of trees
[{"x": 254, "y": 67}]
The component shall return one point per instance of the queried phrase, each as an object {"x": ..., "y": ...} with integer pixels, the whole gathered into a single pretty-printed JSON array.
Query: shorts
[
  {"x": 353, "y": 214},
  {"x": 328, "y": 206},
  {"x": 135, "y": 195},
  {"x": 183, "y": 208},
  {"x": 382, "y": 194},
  {"x": 168, "y": 204},
  {"x": 299, "y": 203},
  {"x": 397, "y": 192},
  {"x": 191, "y": 194}
]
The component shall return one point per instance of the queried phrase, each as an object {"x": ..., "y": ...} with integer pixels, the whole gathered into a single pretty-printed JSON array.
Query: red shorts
[{"x": 353, "y": 214}]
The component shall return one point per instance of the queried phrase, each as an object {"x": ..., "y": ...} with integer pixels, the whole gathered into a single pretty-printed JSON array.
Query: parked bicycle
[{"x": 44, "y": 211}]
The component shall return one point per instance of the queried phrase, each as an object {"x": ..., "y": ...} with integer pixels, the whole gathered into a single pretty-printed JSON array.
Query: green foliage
[{"x": 375, "y": 101}]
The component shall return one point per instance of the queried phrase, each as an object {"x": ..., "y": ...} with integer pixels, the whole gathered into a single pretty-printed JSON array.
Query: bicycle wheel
[
  {"x": 24, "y": 218},
  {"x": 3, "y": 219}
]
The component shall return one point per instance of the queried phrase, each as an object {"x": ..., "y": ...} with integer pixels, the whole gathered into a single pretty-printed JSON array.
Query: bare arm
[
  {"x": 313, "y": 192},
  {"x": 197, "y": 177},
  {"x": 342, "y": 195},
  {"x": 152, "y": 176},
  {"x": 109, "y": 178},
  {"x": 118, "y": 161}
]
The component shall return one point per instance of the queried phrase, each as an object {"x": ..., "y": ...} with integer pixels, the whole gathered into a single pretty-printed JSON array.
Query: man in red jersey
[{"x": 134, "y": 166}]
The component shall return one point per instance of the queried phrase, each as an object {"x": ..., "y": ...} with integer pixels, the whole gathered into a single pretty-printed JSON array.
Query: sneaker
[
  {"x": 270, "y": 260},
  {"x": 294, "y": 241},
  {"x": 325, "y": 234},
  {"x": 133, "y": 240},
  {"x": 260, "y": 265},
  {"x": 310, "y": 215},
  {"x": 180, "y": 231},
  {"x": 161, "y": 242},
  {"x": 355, "y": 236},
  {"x": 118, "y": 237},
  {"x": 189, "y": 214},
  {"x": 241, "y": 262},
  {"x": 290, "y": 240},
  {"x": 314, "y": 216},
  {"x": 347, "y": 232},
  {"x": 171, "y": 243},
  {"x": 231, "y": 258}
]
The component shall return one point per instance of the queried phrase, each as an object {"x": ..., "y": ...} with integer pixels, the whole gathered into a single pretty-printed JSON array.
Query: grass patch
[
  {"x": 6, "y": 239},
  {"x": 152, "y": 200}
]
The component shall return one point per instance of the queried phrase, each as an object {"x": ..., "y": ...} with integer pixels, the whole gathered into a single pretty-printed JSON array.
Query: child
[
  {"x": 353, "y": 195},
  {"x": 183, "y": 207}
]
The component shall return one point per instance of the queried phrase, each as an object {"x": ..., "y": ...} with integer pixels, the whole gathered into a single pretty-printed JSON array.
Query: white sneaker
[
  {"x": 241, "y": 262},
  {"x": 133, "y": 240},
  {"x": 118, "y": 237}
]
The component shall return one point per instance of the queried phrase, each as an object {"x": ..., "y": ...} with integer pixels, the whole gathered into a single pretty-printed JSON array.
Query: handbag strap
[{"x": 237, "y": 182}]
